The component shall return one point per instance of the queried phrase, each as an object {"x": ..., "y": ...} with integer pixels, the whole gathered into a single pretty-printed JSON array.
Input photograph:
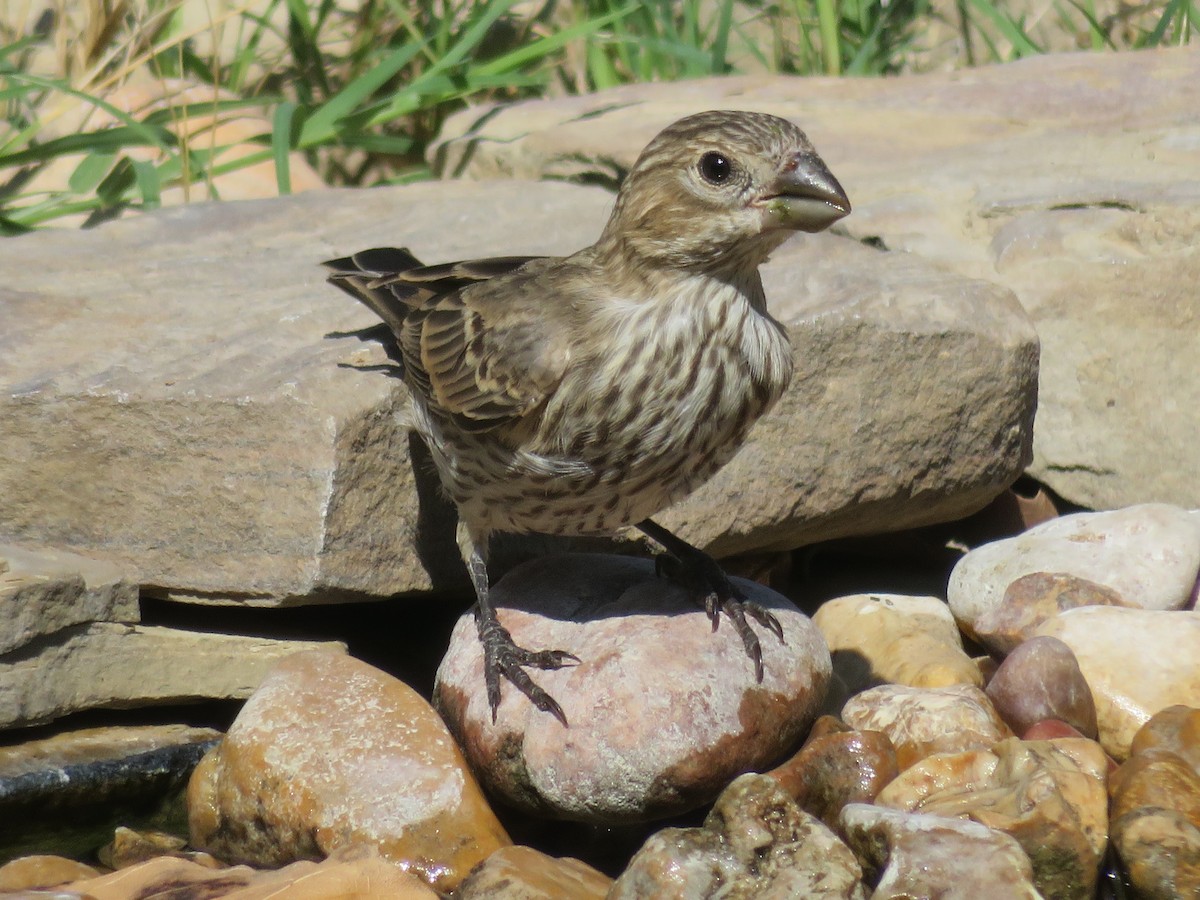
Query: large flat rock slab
[
  {"x": 111, "y": 665},
  {"x": 44, "y": 590},
  {"x": 183, "y": 393},
  {"x": 1074, "y": 180}
]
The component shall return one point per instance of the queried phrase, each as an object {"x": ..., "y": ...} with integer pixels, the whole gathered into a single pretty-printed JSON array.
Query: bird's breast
[{"x": 634, "y": 426}]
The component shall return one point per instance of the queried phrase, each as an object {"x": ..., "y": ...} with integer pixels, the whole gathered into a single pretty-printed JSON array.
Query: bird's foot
[
  {"x": 502, "y": 657},
  {"x": 707, "y": 582}
]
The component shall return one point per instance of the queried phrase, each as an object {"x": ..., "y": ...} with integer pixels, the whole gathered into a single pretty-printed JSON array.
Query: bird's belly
[{"x": 599, "y": 470}]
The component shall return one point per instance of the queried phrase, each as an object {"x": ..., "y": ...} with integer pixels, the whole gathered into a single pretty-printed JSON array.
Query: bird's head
[{"x": 721, "y": 190}]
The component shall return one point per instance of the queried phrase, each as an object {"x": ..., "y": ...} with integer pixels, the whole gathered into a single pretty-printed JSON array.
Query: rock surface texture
[
  {"x": 663, "y": 712},
  {"x": 332, "y": 755},
  {"x": 756, "y": 842},
  {"x": 159, "y": 665},
  {"x": 43, "y": 591}
]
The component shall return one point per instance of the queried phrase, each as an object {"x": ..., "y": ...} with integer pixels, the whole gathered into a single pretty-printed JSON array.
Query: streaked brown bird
[{"x": 581, "y": 394}]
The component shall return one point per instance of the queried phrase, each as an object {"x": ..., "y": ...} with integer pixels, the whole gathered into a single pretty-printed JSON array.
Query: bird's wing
[{"x": 474, "y": 347}]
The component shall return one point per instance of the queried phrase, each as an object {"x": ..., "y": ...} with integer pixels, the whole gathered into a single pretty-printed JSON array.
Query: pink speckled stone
[{"x": 663, "y": 712}]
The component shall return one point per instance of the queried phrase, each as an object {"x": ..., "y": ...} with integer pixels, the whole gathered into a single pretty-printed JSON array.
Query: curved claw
[
  {"x": 706, "y": 580},
  {"x": 520, "y": 679},
  {"x": 736, "y": 611},
  {"x": 502, "y": 657},
  {"x": 766, "y": 619}
]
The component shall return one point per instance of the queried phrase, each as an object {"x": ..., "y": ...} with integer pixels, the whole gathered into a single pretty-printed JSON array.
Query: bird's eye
[{"x": 715, "y": 168}]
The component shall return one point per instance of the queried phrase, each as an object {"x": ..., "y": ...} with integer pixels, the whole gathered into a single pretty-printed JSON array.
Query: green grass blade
[
  {"x": 545, "y": 47},
  {"x": 1183, "y": 14},
  {"x": 321, "y": 126},
  {"x": 1098, "y": 35},
  {"x": 470, "y": 38},
  {"x": 1022, "y": 44},
  {"x": 281, "y": 145},
  {"x": 827, "y": 22},
  {"x": 19, "y": 46},
  {"x": 601, "y": 71},
  {"x": 719, "y": 63},
  {"x": 156, "y": 137},
  {"x": 90, "y": 172},
  {"x": 146, "y": 176},
  {"x": 105, "y": 140}
]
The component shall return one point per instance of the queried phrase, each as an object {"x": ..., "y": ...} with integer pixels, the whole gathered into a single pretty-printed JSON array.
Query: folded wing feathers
[{"x": 447, "y": 357}]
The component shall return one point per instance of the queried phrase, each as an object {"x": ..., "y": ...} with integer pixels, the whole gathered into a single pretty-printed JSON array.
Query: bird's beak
[{"x": 805, "y": 196}]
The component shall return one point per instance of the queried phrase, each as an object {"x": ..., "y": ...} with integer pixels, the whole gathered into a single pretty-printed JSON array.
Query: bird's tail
[{"x": 360, "y": 274}]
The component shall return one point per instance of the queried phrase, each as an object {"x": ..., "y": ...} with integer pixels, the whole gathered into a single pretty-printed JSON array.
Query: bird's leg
[
  {"x": 501, "y": 655},
  {"x": 703, "y": 576}
]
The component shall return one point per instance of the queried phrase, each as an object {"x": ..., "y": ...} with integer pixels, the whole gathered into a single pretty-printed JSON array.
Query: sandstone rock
[
  {"x": 893, "y": 638},
  {"x": 1041, "y": 680},
  {"x": 1156, "y": 807},
  {"x": 755, "y": 843},
  {"x": 915, "y": 855},
  {"x": 837, "y": 767},
  {"x": 1049, "y": 795},
  {"x": 663, "y": 712},
  {"x": 234, "y": 450},
  {"x": 1159, "y": 779},
  {"x": 75, "y": 670},
  {"x": 244, "y": 451},
  {"x": 1137, "y": 662},
  {"x": 1175, "y": 729},
  {"x": 365, "y": 762},
  {"x": 1031, "y": 600},
  {"x": 43, "y": 590},
  {"x": 522, "y": 873},
  {"x": 923, "y": 721},
  {"x": 1050, "y": 729},
  {"x": 29, "y": 873},
  {"x": 364, "y": 878},
  {"x": 902, "y": 329},
  {"x": 1161, "y": 851},
  {"x": 1145, "y": 556},
  {"x": 130, "y": 848},
  {"x": 981, "y": 172}
]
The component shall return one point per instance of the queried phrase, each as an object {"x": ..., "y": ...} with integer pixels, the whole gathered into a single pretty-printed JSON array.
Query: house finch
[{"x": 577, "y": 395}]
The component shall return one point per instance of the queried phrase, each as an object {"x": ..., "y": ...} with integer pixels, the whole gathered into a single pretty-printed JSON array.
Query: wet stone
[
  {"x": 894, "y": 638},
  {"x": 1137, "y": 662},
  {"x": 916, "y": 855},
  {"x": 1176, "y": 729},
  {"x": 756, "y": 842},
  {"x": 362, "y": 876},
  {"x": 93, "y": 780},
  {"x": 366, "y": 763},
  {"x": 1048, "y": 795},
  {"x": 922, "y": 721},
  {"x": 836, "y": 767},
  {"x": 1034, "y": 599},
  {"x": 1145, "y": 556},
  {"x": 41, "y": 872},
  {"x": 1156, "y": 808},
  {"x": 1041, "y": 680},
  {"x": 522, "y": 873}
]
